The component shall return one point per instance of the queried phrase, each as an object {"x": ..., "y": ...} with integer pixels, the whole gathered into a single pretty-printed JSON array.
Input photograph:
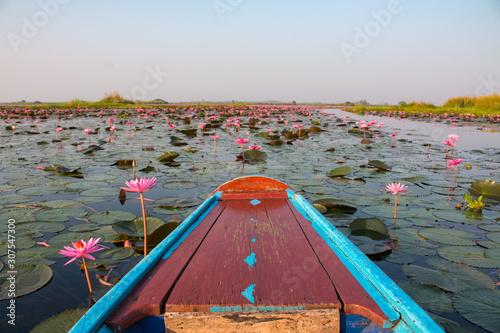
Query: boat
[{"x": 255, "y": 257}]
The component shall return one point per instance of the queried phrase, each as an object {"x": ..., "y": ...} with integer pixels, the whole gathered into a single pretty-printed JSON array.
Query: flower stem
[
  {"x": 395, "y": 209},
  {"x": 87, "y": 274},
  {"x": 145, "y": 225},
  {"x": 243, "y": 153}
]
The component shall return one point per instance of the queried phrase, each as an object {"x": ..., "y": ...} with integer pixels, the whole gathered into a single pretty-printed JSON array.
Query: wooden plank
[
  {"x": 354, "y": 297},
  {"x": 253, "y": 184},
  {"x": 148, "y": 297},
  {"x": 97, "y": 314},
  {"x": 250, "y": 196},
  {"x": 218, "y": 273},
  {"x": 257, "y": 322}
]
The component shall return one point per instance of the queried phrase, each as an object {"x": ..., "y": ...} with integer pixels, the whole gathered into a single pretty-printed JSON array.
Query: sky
[{"x": 249, "y": 50}]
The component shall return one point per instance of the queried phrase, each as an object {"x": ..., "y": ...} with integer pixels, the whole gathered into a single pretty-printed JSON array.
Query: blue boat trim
[
  {"x": 97, "y": 314},
  {"x": 414, "y": 317}
]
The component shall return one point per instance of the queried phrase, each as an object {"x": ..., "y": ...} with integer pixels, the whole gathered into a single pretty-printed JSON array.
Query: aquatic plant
[
  {"x": 396, "y": 188},
  {"x": 138, "y": 186},
  {"x": 241, "y": 142},
  {"x": 81, "y": 249},
  {"x": 88, "y": 131},
  {"x": 454, "y": 164},
  {"x": 473, "y": 205}
]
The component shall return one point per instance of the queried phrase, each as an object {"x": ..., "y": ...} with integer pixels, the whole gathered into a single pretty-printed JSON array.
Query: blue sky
[{"x": 249, "y": 50}]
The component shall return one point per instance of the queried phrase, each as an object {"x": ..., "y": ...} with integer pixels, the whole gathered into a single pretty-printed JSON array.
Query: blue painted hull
[{"x": 411, "y": 318}]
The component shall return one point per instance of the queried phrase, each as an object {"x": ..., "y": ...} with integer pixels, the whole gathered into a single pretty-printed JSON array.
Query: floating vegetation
[{"x": 68, "y": 190}]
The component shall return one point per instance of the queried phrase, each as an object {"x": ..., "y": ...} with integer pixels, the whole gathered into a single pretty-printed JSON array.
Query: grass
[{"x": 477, "y": 105}]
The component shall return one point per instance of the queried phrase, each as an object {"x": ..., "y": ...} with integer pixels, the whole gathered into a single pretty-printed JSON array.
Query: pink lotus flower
[
  {"x": 452, "y": 163},
  {"x": 453, "y": 137},
  {"x": 172, "y": 125},
  {"x": 87, "y": 130},
  {"x": 241, "y": 141},
  {"x": 214, "y": 136},
  {"x": 254, "y": 147},
  {"x": 393, "y": 134},
  {"x": 269, "y": 131},
  {"x": 396, "y": 188},
  {"x": 140, "y": 185},
  {"x": 59, "y": 129},
  {"x": 81, "y": 249},
  {"x": 112, "y": 128}
]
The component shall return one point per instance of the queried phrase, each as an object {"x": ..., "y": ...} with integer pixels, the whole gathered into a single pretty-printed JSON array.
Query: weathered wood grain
[
  {"x": 256, "y": 322},
  {"x": 354, "y": 298},
  {"x": 148, "y": 297}
]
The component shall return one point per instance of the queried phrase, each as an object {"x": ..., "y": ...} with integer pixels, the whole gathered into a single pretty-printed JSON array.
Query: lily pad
[
  {"x": 168, "y": 157},
  {"x": 62, "y": 322},
  {"x": 448, "y": 236},
  {"x": 468, "y": 255},
  {"x": 428, "y": 297},
  {"x": 449, "y": 276},
  {"x": 161, "y": 233},
  {"x": 340, "y": 171},
  {"x": 369, "y": 227},
  {"x": 135, "y": 228},
  {"x": 110, "y": 216},
  {"x": 29, "y": 278},
  {"x": 486, "y": 188},
  {"x": 380, "y": 165},
  {"x": 116, "y": 254},
  {"x": 254, "y": 155},
  {"x": 480, "y": 306}
]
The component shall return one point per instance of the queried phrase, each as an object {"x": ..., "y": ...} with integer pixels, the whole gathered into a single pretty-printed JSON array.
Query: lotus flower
[
  {"x": 254, "y": 147},
  {"x": 241, "y": 142},
  {"x": 59, "y": 129},
  {"x": 138, "y": 186},
  {"x": 82, "y": 249},
  {"x": 396, "y": 188},
  {"x": 454, "y": 163},
  {"x": 88, "y": 131}
]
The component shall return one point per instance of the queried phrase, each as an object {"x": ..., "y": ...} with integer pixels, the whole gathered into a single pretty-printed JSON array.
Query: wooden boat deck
[{"x": 252, "y": 251}]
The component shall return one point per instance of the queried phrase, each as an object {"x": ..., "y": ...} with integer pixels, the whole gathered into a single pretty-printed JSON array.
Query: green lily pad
[
  {"x": 494, "y": 236},
  {"x": 41, "y": 226},
  {"x": 135, "y": 228},
  {"x": 62, "y": 204},
  {"x": 254, "y": 155},
  {"x": 168, "y": 157},
  {"x": 161, "y": 233},
  {"x": 428, "y": 297},
  {"x": 62, "y": 322},
  {"x": 448, "y": 236},
  {"x": 486, "y": 188},
  {"x": 388, "y": 211},
  {"x": 116, "y": 254},
  {"x": 480, "y": 306},
  {"x": 320, "y": 208},
  {"x": 373, "y": 228},
  {"x": 458, "y": 216},
  {"x": 21, "y": 242},
  {"x": 398, "y": 257},
  {"x": 369, "y": 246},
  {"x": 174, "y": 202},
  {"x": 380, "y": 165},
  {"x": 83, "y": 227},
  {"x": 449, "y": 276},
  {"x": 110, "y": 216},
  {"x": 340, "y": 171},
  {"x": 29, "y": 278},
  {"x": 468, "y": 255}
]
